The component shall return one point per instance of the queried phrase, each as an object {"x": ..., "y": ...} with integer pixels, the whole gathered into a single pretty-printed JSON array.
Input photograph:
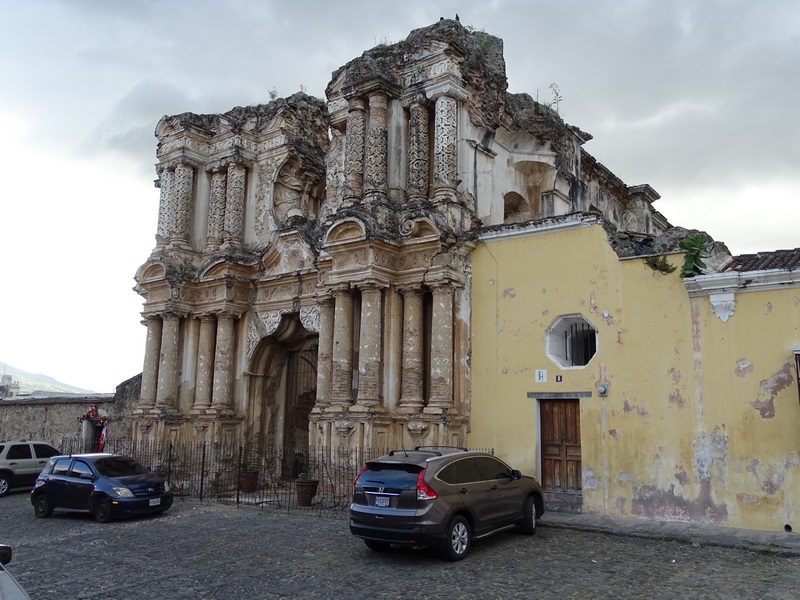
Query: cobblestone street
[{"x": 221, "y": 552}]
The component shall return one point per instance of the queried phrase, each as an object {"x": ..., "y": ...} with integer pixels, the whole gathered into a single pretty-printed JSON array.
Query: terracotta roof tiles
[{"x": 788, "y": 260}]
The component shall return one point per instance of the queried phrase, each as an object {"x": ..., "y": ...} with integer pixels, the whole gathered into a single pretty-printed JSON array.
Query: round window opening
[{"x": 571, "y": 341}]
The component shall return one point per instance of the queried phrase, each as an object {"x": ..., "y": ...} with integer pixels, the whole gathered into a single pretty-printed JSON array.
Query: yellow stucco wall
[{"x": 701, "y": 422}]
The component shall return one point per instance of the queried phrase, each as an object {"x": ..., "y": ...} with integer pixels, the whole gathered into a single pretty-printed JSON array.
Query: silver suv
[
  {"x": 441, "y": 497},
  {"x": 21, "y": 462}
]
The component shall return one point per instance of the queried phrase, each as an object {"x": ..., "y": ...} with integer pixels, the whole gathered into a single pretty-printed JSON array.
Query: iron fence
[{"x": 247, "y": 473}]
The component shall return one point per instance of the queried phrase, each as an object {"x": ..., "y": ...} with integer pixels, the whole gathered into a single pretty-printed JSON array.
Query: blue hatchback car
[{"x": 107, "y": 486}]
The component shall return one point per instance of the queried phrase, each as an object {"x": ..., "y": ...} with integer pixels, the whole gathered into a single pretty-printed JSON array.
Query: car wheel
[
  {"x": 529, "y": 518},
  {"x": 459, "y": 539},
  {"x": 42, "y": 507},
  {"x": 376, "y": 546},
  {"x": 5, "y": 485},
  {"x": 102, "y": 510}
]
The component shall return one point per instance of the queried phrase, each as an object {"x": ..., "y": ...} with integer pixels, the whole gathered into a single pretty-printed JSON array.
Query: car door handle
[
  {"x": 493, "y": 488},
  {"x": 463, "y": 491}
]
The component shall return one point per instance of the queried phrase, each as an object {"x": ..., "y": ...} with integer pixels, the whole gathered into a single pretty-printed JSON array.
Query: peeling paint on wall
[
  {"x": 710, "y": 451},
  {"x": 682, "y": 477},
  {"x": 628, "y": 408},
  {"x": 612, "y": 433},
  {"x": 768, "y": 308},
  {"x": 769, "y": 388},
  {"x": 676, "y": 399},
  {"x": 651, "y": 502},
  {"x": 509, "y": 293},
  {"x": 743, "y": 367},
  {"x": 590, "y": 482}
]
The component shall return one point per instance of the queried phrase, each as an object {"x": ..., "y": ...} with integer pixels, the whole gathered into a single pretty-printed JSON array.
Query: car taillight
[
  {"x": 424, "y": 491},
  {"x": 364, "y": 468}
]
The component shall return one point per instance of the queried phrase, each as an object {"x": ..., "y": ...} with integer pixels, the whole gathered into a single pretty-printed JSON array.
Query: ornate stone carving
[
  {"x": 377, "y": 146},
  {"x": 288, "y": 192},
  {"x": 216, "y": 208},
  {"x": 166, "y": 181},
  {"x": 418, "y": 152},
  {"x": 445, "y": 164},
  {"x": 723, "y": 305},
  {"x": 417, "y": 430},
  {"x": 234, "y": 203},
  {"x": 310, "y": 318},
  {"x": 354, "y": 151},
  {"x": 184, "y": 181},
  {"x": 343, "y": 428},
  {"x": 266, "y": 173}
]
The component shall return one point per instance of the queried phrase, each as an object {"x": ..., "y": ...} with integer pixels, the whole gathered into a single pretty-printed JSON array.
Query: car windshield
[{"x": 119, "y": 466}]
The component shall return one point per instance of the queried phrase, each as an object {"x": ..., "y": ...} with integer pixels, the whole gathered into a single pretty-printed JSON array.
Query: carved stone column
[
  {"x": 325, "y": 353},
  {"x": 377, "y": 149},
  {"x": 441, "y": 350},
  {"x": 445, "y": 158},
  {"x": 234, "y": 204},
  {"x": 205, "y": 363},
  {"x": 418, "y": 153},
  {"x": 165, "y": 183},
  {"x": 354, "y": 153},
  {"x": 184, "y": 182},
  {"x": 369, "y": 355},
  {"x": 216, "y": 209},
  {"x": 412, "y": 377},
  {"x": 167, "y": 393},
  {"x": 342, "y": 383},
  {"x": 152, "y": 350},
  {"x": 223, "y": 362}
]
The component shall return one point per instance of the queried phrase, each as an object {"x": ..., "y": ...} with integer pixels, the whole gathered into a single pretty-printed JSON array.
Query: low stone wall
[{"x": 51, "y": 418}]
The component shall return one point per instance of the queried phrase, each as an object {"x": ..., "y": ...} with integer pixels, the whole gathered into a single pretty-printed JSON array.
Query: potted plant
[
  {"x": 306, "y": 484},
  {"x": 248, "y": 475}
]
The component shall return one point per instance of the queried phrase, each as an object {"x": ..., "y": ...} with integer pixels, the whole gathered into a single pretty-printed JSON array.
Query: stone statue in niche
[{"x": 288, "y": 196}]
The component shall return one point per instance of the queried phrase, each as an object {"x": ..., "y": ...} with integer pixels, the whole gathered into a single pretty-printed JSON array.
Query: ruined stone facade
[{"x": 310, "y": 282}]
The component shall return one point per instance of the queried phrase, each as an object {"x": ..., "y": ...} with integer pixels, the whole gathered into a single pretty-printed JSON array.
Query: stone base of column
[
  {"x": 363, "y": 408},
  {"x": 200, "y": 409},
  {"x": 434, "y": 410},
  {"x": 410, "y": 409}
]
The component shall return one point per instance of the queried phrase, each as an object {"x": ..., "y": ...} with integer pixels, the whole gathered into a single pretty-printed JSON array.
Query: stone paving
[{"x": 213, "y": 551}]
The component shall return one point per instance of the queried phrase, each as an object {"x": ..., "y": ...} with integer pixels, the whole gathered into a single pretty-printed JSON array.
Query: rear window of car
[
  {"x": 61, "y": 466},
  {"x": 44, "y": 451},
  {"x": 119, "y": 466},
  {"x": 390, "y": 475},
  {"x": 460, "y": 472}
]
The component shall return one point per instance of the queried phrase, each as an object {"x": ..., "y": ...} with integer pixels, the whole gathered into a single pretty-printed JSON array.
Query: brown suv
[{"x": 441, "y": 497}]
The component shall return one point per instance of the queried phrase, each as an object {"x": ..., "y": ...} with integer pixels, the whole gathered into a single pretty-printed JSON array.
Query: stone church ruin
[{"x": 310, "y": 282}]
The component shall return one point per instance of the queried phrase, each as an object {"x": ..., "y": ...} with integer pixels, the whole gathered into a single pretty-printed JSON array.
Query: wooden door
[{"x": 561, "y": 445}]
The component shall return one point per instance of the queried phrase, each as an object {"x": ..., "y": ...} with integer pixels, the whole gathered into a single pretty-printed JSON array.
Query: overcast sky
[{"x": 698, "y": 98}]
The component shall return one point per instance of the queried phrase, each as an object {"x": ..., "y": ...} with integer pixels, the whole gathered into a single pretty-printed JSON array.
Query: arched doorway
[{"x": 284, "y": 371}]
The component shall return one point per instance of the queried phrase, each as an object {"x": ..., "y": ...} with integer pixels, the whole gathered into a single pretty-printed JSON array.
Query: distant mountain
[{"x": 33, "y": 382}]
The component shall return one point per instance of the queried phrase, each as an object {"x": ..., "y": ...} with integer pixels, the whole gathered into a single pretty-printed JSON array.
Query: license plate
[
  {"x": 382, "y": 501},
  {"x": 155, "y": 501}
]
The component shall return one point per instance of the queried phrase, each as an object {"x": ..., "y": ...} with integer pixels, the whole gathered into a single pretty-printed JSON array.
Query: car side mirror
[
  {"x": 515, "y": 474},
  {"x": 5, "y": 554},
  {"x": 87, "y": 476}
]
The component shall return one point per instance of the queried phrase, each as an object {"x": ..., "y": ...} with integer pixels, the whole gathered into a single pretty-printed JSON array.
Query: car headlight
[{"x": 123, "y": 492}]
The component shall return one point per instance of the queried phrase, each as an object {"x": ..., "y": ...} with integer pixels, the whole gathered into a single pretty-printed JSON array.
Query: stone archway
[{"x": 284, "y": 371}]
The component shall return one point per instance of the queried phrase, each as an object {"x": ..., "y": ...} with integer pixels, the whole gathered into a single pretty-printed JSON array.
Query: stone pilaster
[
  {"x": 184, "y": 185},
  {"x": 418, "y": 152},
  {"x": 216, "y": 209},
  {"x": 342, "y": 381},
  {"x": 166, "y": 182},
  {"x": 205, "y": 363},
  {"x": 223, "y": 363},
  {"x": 377, "y": 157},
  {"x": 369, "y": 354},
  {"x": 234, "y": 204},
  {"x": 445, "y": 157},
  {"x": 354, "y": 153},
  {"x": 152, "y": 350},
  {"x": 441, "y": 350},
  {"x": 167, "y": 393},
  {"x": 325, "y": 355},
  {"x": 412, "y": 376}
]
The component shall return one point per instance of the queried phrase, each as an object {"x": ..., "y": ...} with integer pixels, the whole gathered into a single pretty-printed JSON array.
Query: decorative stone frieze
[
  {"x": 165, "y": 183},
  {"x": 234, "y": 204},
  {"x": 184, "y": 187},
  {"x": 445, "y": 162},
  {"x": 310, "y": 318},
  {"x": 216, "y": 208}
]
